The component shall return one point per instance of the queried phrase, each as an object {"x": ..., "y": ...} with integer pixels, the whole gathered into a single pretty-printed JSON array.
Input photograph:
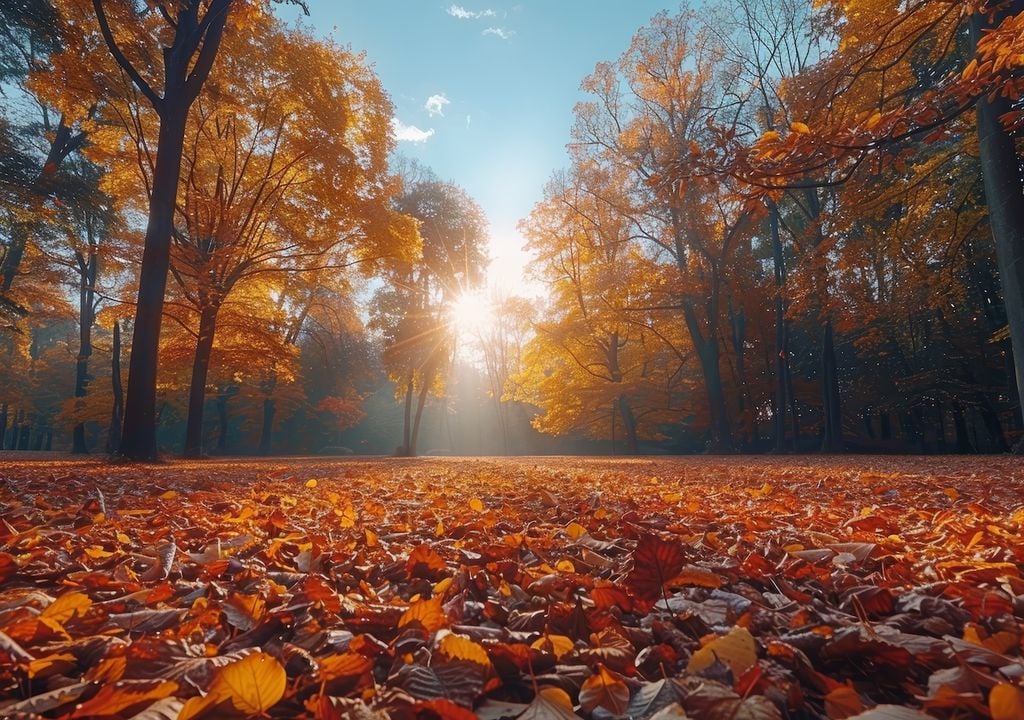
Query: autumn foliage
[{"x": 530, "y": 589}]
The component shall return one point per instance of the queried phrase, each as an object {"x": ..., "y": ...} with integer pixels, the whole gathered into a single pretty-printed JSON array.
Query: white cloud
[
  {"x": 435, "y": 104},
  {"x": 409, "y": 133},
  {"x": 462, "y": 13},
  {"x": 469, "y": 119},
  {"x": 498, "y": 32}
]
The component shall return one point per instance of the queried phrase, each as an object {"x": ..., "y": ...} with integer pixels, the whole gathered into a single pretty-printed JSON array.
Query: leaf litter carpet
[{"x": 531, "y": 588}]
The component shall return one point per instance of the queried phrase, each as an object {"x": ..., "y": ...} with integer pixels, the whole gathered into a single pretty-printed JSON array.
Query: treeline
[
  {"x": 783, "y": 225},
  {"x": 792, "y": 225}
]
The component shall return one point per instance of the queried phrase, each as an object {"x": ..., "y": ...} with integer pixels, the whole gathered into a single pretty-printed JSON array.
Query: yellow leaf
[
  {"x": 97, "y": 553},
  {"x": 575, "y": 530},
  {"x": 348, "y": 516},
  {"x": 443, "y": 585},
  {"x": 952, "y": 493},
  {"x": 736, "y": 650},
  {"x": 557, "y": 645},
  {"x": 371, "y": 538},
  {"x": 457, "y": 647},
  {"x": 66, "y": 606},
  {"x": 427, "y": 613},
  {"x": 169, "y": 495},
  {"x": 253, "y": 684},
  {"x": 51, "y": 665},
  {"x": 1006, "y": 702},
  {"x": 476, "y": 504},
  {"x": 565, "y": 566},
  {"x": 311, "y": 483},
  {"x": 799, "y": 127}
]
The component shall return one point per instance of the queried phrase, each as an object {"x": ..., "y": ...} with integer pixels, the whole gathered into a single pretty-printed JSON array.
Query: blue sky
[{"x": 503, "y": 75}]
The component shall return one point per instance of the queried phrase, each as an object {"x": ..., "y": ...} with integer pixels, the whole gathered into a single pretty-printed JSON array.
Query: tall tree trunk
[
  {"x": 114, "y": 433},
  {"x": 222, "y": 420},
  {"x": 3, "y": 424},
  {"x": 628, "y": 425},
  {"x": 707, "y": 352},
  {"x": 269, "y": 408},
  {"x": 738, "y": 324},
  {"x": 138, "y": 440},
  {"x": 782, "y": 372},
  {"x": 832, "y": 441},
  {"x": 963, "y": 440},
  {"x": 20, "y": 232},
  {"x": 407, "y": 416},
  {"x": 86, "y": 305},
  {"x": 427, "y": 379},
  {"x": 15, "y": 430},
  {"x": 197, "y": 387},
  {"x": 1004, "y": 196}
]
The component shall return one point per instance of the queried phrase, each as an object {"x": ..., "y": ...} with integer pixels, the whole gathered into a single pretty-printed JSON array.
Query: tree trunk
[
  {"x": 20, "y": 232},
  {"x": 782, "y": 376},
  {"x": 427, "y": 379},
  {"x": 269, "y": 407},
  {"x": 628, "y": 425},
  {"x": 197, "y": 388},
  {"x": 3, "y": 424},
  {"x": 707, "y": 351},
  {"x": 963, "y": 440},
  {"x": 832, "y": 440},
  {"x": 114, "y": 433},
  {"x": 138, "y": 441},
  {"x": 86, "y": 305},
  {"x": 222, "y": 420},
  {"x": 23, "y": 435},
  {"x": 738, "y": 324},
  {"x": 1004, "y": 196},
  {"x": 407, "y": 425}
]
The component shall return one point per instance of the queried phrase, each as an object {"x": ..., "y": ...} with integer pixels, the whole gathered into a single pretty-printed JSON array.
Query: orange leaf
[
  {"x": 113, "y": 699},
  {"x": 604, "y": 689}
]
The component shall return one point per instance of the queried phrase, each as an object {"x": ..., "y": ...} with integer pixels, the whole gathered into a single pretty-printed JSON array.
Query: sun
[{"x": 469, "y": 314}]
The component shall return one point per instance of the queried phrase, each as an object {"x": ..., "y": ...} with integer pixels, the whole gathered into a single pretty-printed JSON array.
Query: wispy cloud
[
  {"x": 469, "y": 119},
  {"x": 409, "y": 133},
  {"x": 435, "y": 104},
  {"x": 462, "y": 13},
  {"x": 498, "y": 32}
]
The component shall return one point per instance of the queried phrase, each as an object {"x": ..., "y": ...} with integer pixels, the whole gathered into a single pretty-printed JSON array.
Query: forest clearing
[{"x": 537, "y": 587}]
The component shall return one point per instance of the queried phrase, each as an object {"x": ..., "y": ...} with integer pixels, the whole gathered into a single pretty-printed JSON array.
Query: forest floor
[{"x": 542, "y": 587}]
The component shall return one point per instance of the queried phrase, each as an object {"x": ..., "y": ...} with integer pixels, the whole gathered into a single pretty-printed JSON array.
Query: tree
[
  {"x": 294, "y": 124},
  {"x": 190, "y": 33},
  {"x": 595, "y": 358},
  {"x": 411, "y": 313}
]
